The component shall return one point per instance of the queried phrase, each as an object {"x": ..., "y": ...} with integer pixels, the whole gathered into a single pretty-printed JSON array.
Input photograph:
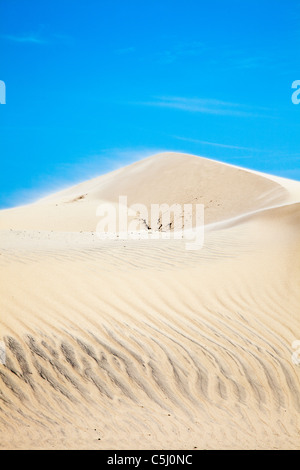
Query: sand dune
[
  {"x": 226, "y": 191},
  {"x": 143, "y": 344}
]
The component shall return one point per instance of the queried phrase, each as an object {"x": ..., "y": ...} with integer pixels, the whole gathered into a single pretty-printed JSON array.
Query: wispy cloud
[
  {"x": 27, "y": 38},
  {"x": 37, "y": 38},
  {"x": 205, "y": 106},
  {"x": 213, "y": 144}
]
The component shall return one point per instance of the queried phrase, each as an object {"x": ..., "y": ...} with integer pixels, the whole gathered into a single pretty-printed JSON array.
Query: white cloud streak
[
  {"x": 30, "y": 39},
  {"x": 213, "y": 144},
  {"x": 204, "y": 106}
]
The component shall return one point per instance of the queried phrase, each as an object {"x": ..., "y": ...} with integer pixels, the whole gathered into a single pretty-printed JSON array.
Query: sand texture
[{"x": 143, "y": 344}]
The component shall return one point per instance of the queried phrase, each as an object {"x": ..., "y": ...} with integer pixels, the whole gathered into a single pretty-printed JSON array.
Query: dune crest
[{"x": 224, "y": 190}]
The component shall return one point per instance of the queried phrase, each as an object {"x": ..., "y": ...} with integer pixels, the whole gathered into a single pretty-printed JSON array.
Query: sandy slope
[
  {"x": 124, "y": 344},
  {"x": 170, "y": 178}
]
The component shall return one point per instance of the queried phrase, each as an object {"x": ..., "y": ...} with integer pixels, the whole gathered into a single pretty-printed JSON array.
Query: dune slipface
[{"x": 143, "y": 344}]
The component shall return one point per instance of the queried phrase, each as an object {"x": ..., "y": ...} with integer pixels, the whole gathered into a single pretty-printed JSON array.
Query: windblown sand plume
[{"x": 143, "y": 344}]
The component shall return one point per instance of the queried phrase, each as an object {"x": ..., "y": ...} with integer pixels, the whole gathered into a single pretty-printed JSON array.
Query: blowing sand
[{"x": 143, "y": 344}]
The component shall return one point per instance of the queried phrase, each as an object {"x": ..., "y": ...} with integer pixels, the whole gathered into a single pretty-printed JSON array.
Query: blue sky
[{"x": 93, "y": 85}]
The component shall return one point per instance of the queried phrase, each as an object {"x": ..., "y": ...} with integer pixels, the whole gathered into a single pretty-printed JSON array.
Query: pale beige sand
[
  {"x": 124, "y": 344},
  {"x": 226, "y": 191}
]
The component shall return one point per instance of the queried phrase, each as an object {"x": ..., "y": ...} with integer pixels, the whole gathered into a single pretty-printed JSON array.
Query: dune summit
[
  {"x": 169, "y": 178},
  {"x": 142, "y": 344}
]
